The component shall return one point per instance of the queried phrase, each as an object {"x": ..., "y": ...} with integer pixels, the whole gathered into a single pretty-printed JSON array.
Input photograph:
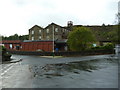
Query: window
[
  {"x": 39, "y": 37},
  {"x": 48, "y": 37},
  {"x": 39, "y": 31},
  {"x": 56, "y": 29},
  {"x": 11, "y": 46},
  {"x": 32, "y": 38},
  {"x": 63, "y": 30},
  {"x": 47, "y": 30},
  {"x": 32, "y": 32},
  {"x": 56, "y": 37}
]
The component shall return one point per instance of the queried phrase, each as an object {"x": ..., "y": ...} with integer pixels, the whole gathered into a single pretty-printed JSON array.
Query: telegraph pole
[{"x": 53, "y": 40}]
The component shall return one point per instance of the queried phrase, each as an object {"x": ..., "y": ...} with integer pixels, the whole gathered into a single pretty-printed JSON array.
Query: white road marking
[
  {"x": 6, "y": 66},
  {"x": 6, "y": 70},
  {"x": 10, "y": 67}
]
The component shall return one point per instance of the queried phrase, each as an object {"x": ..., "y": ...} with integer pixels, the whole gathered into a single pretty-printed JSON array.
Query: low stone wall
[{"x": 70, "y": 53}]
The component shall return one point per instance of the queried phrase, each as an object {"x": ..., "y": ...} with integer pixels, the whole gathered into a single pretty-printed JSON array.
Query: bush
[
  {"x": 107, "y": 46},
  {"x": 97, "y": 47},
  {"x": 5, "y": 55}
]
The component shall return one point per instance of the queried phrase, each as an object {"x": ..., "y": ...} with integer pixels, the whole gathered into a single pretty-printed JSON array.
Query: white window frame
[
  {"x": 48, "y": 37},
  {"x": 32, "y": 38},
  {"x": 40, "y": 37},
  {"x": 40, "y": 31},
  {"x": 32, "y": 32},
  {"x": 47, "y": 30},
  {"x": 56, "y": 29}
]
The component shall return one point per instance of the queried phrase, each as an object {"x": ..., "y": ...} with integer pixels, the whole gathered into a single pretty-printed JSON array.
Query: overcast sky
[{"x": 17, "y": 16}]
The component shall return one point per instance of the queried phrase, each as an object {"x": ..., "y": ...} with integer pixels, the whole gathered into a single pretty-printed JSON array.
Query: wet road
[{"x": 99, "y": 71}]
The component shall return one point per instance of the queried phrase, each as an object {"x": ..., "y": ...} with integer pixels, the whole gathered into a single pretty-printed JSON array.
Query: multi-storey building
[
  {"x": 36, "y": 33},
  {"x": 52, "y": 31}
]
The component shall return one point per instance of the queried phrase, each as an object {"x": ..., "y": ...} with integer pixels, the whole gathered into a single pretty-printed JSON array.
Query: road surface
[{"x": 99, "y": 71}]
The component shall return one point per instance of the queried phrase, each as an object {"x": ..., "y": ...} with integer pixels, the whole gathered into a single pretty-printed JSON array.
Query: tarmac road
[{"x": 99, "y": 71}]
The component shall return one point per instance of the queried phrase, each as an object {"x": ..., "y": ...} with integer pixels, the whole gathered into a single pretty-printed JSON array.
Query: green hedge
[{"x": 107, "y": 46}]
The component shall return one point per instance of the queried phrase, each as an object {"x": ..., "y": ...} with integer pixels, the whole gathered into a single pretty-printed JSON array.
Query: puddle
[{"x": 61, "y": 69}]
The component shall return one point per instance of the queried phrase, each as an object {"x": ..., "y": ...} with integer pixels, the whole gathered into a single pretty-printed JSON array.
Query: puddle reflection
[{"x": 74, "y": 67}]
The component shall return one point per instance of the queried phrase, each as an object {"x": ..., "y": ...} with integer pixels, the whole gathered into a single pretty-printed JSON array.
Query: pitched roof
[
  {"x": 36, "y": 26},
  {"x": 53, "y": 24}
]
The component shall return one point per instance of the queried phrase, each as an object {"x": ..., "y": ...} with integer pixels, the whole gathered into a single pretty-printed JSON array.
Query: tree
[
  {"x": 80, "y": 38},
  {"x": 15, "y": 37},
  {"x": 114, "y": 34},
  {"x": 23, "y": 37},
  {"x": 12, "y": 37}
]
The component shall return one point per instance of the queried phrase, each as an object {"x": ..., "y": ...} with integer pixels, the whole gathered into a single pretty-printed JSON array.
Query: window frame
[
  {"x": 56, "y": 29},
  {"x": 40, "y": 37},
  {"x": 32, "y": 38},
  {"x": 47, "y": 30},
  {"x": 32, "y": 32},
  {"x": 48, "y": 37},
  {"x": 40, "y": 31}
]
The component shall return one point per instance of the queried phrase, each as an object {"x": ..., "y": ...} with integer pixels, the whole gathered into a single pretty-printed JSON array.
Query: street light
[{"x": 53, "y": 40}]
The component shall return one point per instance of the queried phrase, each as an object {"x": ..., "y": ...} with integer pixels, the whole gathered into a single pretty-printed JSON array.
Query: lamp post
[{"x": 53, "y": 40}]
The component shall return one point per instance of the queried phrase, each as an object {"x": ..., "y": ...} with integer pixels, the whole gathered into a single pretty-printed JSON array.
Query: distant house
[
  {"x": 36, "y": 33},
  {"x": 56, "y": 31},
  {"x": 47, "y": 33}
]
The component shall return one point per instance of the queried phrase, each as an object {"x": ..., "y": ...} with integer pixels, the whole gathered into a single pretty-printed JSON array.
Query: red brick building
[
  {"x": 27, "y": 45},
  {"x": 12, "y": 44},
  {"x": 36, "y": 45},
  {"x": 41, "y": 45}
]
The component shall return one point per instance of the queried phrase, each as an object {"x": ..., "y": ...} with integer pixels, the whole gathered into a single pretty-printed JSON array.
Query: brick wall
[{"x": 35, "y": 46}]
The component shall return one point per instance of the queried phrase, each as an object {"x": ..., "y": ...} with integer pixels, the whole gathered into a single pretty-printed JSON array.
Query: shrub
[
  {"x": 108, "y": 46},
  {"x": 97, "y": 47},
  {"x": 5, "y": 55}
]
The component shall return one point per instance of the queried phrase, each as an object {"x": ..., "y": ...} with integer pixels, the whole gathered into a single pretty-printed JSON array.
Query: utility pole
[{"x": 53, "y": 39}]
